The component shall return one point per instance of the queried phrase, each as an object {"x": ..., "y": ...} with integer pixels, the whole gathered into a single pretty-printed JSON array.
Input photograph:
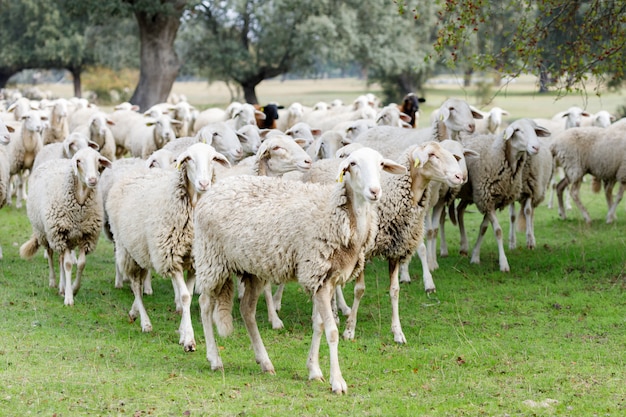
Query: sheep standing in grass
[
  {"x": 600, "y": 152},
  {"x": 236, "y": 234},
  {"x": 150, "y": 215},
  {"x": 26, "y": 142},
  {"x": 5, "y": 171},
  {"x": 495, "y": 179},
  {"x": 401, "y": 213},
  {"x": 65, "y": 211}
]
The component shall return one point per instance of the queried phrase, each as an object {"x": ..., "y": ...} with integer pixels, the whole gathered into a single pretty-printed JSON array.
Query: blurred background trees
[{"x": 145, "y": 45}]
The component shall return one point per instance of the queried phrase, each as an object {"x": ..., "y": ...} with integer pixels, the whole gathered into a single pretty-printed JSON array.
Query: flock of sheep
[{"x": 271, "y": 195}]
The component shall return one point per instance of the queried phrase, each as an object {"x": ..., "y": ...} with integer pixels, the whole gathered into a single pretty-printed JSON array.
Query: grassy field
[{"x": 545, "y": 339}]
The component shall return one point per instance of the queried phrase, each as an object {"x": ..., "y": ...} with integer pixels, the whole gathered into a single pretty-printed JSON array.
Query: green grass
[{"x": 551, "y": 329}]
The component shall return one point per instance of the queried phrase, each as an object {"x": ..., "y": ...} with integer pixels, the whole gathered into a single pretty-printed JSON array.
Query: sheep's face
[
  {"x": 224, "y": 139},
  {"x": 33, "y": 121},
  {"x": 199, "y": 161},
  {"x": 282, "y": 154},
  {"x": 88, "y": 164},
  {"x": 364, "y": 167},
  {"x": 524, "y": 135},
  {"x": 458, "y": 116},
  {"x": 432, "y": 161}
]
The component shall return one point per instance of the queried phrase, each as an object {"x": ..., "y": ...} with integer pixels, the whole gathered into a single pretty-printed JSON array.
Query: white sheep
[
  {"x": 339, "y": 222},
  {"x": 303, "y": 130},
  {"x": 145, "y": 138},
  {"x": 402, "y": 210},
  {"x": 221, "y": 136},
  {"x": 495, "y": 179},
  {"x": 215, "y": 114},
  {"x": 58, "y": 126},
  {"x": 64, "y": 150},
  {"x": 326, "y": 145},
  {"x": 392, "y": 116},
  {"x": 65, "y": 212},
  {"x": 26, "y": 142},
  {"x": 250, "y": 139},
  {"x": 600, "y": 152},
  {"x": 5, "y": 172},
  {"x": 97, "y": 129},
  {"x": 491, "y": 122},
  {"x": 150, "y": 216},
  {"x": 290, "y": 116}
]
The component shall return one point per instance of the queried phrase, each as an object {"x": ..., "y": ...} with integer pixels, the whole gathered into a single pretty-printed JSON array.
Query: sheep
[
  {"x": 601, "y": 118},
  {"x": 326, "y": 145},
  {"x": 355, "y": 128},
  {"x": 145, "y": 138},
  {"x": 26, "y": 142},
  {"x": 150, "y": 216},
  {"x": 5, "y": 172},
  {"x": 289, "y": 116},
  {"x": 392, "y": 116},
  {"x": 269, "y": 116},
  {"x": 245, "y": 115},
  {"x": 97, "y": 130},
  {"x": 304, "y": 130},
  {"x": 452, "y": 117},
  {"x": 182, "y": 111},
  {"x": 491, "y": 121},
  {"x": 327, "y": 120},
  {"x": 401, "y": 214},
  {"x": 536, "y": 176},
  {"x": 220, "y": 135},
  {"x": 250, "y": 139},
  {"x": 81, "y": 116},
  {"x": 339, "y": 222},
  {"x": 495, "y": 178},
  {"x": 65, "y": 212},
  {"x": 596, "y": 151},
  {"x": 58, "y": 128},
  {"x": 410, "y": 106},
  {"x": 123, "y": 120},
  {"x": 66, "y": 149},
  {"x": 215, "y": 114}
]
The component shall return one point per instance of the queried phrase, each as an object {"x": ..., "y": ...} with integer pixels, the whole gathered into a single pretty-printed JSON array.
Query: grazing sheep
[
  {"x": 150, "y": 216},
  {"x": 65, "y": 212},
  {"x": 26, "y": 142},
  {"x": 339, "y": 222},
  {"x": 401, "y": 213},
  {"x": 495, "y": 178},
  {"x": 591, "y": 150}
]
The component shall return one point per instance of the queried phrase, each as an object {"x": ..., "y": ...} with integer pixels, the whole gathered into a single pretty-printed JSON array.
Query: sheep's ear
[
  {"x": 316, "y": 132},
  {"x": 585, "y": 114},
  {"x": 93, "y": 145},
  {"x": 565, "y": 114},
  {"x": 505, "y": 113},
  {"x": 264, "y": 151},
  {"x": 421, "y": 100},
  {"x": 301, "y": 141},
  {"x": 176, "y": 122},
  {"x": 444, "y": 113},
  {"x": 11, "y": 129},
  {"x": 182, "y": 158},
  {"x": 476, "y": 114},
  {"x": 470, "y": 153},
  {"x": 508, "y": 133},
  {"x": 542, "y": 132},
  {"x": 221, "y": 159},
  {"x": 420, "y": 156},
  {"x": 151, "y": 123},
  {"x": 393, "y": 167},
  {"x": 260, "y": 114},
  {"x": 104, "y": 162},
  {"x": 343, "y": 168}
]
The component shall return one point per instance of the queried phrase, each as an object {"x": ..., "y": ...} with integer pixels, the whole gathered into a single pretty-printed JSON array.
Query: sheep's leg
[
  {"x": 428, "y": 232},
  {"x": 574, "y": 192},
  {"x": 394, "y": 294},
  {"x": 185, "y": 329},
  {"x": 405, "y": 275},
  {"x": 52, "y": 280},
  {"x": 80, "y": 267},
  {"x": 497, "y": 230},
  {"x": 138, "y": 309},
  {"x": 247, "y": 308},
  {"x": 481, "y": 234},
  {"x": 560, "y": 187},
  {"x": 512, "y": 235},
  {"x": 427, "y": 277},
  {"x": 190, "y": 281},
  {"x": 529, "y": 213},
  {"x": 313, "y": 361},
  {"x": 278, "y": 297},
  {"x": 147, "y": 285},
  {"x": 435, "y": 223},
  {"x": 177, "y": 300},
  {"x": 359, "y": 290},
  {"x": 443, "y": 245},
  {"x": 272, "y": 316},
  {"x": 66, "y": 264},
  {"x": 608, "y": 195},
  {"x": 341, "y": 301},
  {"x": 206, "y": 313},
  {"x": 618, "y": 198},
  {"x": 321, "y": 301},
  {"x": 460, "y": 213},
  {"x": 19, "y": 191}
]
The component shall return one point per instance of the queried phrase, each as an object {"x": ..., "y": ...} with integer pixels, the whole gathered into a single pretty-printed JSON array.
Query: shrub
[{"x": 110, "y": 86}]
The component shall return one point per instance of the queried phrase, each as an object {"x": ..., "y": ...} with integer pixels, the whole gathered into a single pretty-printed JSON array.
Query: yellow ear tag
[
  {"x": 417, "y": 163},
  {"x": 340, "y": 178},
  {"x": 441, "y": 117},
  {"x": 178, "y": 165}
]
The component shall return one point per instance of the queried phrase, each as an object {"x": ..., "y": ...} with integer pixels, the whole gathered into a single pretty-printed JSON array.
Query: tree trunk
[
  {"x": 76, "y": 71},
  {"x": 5, "y": 75},
  {"x": 159, "y": 63},
  {"x": 543, "y": 81},
  {"x": 249, "y": 92},
  {"x": 467, "y": 77}
]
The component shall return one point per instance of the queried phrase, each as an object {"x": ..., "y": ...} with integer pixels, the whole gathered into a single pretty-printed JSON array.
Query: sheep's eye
[
  {"x": 457, "y": 157},
  {"x": 276, "y": 148},
  {"x": 353, "y": 164}
]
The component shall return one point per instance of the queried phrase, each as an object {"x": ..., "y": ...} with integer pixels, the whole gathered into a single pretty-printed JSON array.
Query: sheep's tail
[
  {"x": 452, "y": 212},
  {"x": 521, "y": 220},
  {"x": 596, "y": 185},
  {"x": 29, "y": 248},
  {"x": 223, "y": 312}
]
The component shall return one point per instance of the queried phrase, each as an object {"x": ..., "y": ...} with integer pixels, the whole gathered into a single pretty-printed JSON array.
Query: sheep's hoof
[
  {"x": 268, "y": 368},
  {"x": 147, "y": 328},
  {"x": 190, "y": 347},
  {"x": 348, "y": 334},
  {"x": 430, "y": 291},
  {"x": 339, "y": 386},
  {"x": 278, "y": 324},
  {"x": 399, "y": 338},
  {"x": 463, "y": 252}
]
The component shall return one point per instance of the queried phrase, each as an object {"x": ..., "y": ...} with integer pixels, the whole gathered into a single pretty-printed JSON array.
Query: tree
[
  {"x": 248, "y": 41},
  {"x": 568, "y": 39}
]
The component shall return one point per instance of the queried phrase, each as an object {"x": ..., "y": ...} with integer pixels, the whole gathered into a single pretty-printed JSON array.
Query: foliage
[
  {"x": 110, "y": 87},
  {"x": 567, "y": 40}
]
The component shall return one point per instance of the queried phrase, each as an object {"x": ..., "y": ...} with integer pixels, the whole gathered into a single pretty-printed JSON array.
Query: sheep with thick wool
[
  {"x": 64, "y": 150},
  {"x": 151, "y": 219},
  {"x": 65, "y": 212},
  {"x": 232, "y": 236},
  {"x": 219, "y": 135},
  {"x": 495, "y": 179},
  {"x": 5, "y": 172}
]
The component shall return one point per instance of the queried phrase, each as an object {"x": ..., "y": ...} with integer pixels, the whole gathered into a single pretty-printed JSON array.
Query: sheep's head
[
  {"x": 434, "y": 162},
  {"x": 223, "y": 138},
  {"x": 523, "y": 135},
  {"x": 88, "y": 164},
  {"x": 280, "y": 154},
  {"x": 198, "y": 162},
  {"x": 364, "y": 167},
  {"x": 458, "y": 116}
]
